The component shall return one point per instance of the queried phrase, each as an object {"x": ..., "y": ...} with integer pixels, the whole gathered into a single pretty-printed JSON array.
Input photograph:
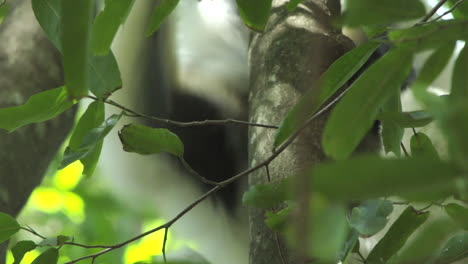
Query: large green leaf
[
  {"x": 160, "y": 13},
  {"x": 8, "y": 226},
  {"x": 430, "y": 35},
  {"x": 334, "y": 78},
  {"x": 107, "y": 23},
  {"x": 355, "y": 114},
  {"x": 366, "y": 177},
  {"x": 21, "y": 248},
  {"x": 383, "y": 12},
  {"x": 50, "y": 256},
  {"x": 255, "y": 14},
  {"x": 146, "y": 140},
  {"x": 370, "y": 216},
  {"x": 406, "y": 119},
  {"x": 90, "y": 141},
  {"x": 103, "y": 72},
  {"x": 396, "y": 237},
  {"x": 458, "y": 213},
  {"x": 421, "y": 146},
  {"x": 40, "y": 107},
  {"x": 76, "y": 24},
  {"x": 455, "y": 249},
  {"x": 267, "y": 195},
  {"x": 392, "y": 132},
  {"x": 425, "y": 245},
  {"x": 92, "y": 118}
]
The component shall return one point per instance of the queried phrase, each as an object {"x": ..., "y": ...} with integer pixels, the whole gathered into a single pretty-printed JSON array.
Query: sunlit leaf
[
  {"x": 396, "y": 237},
  {"x": 92, "y": 118},
  {"x": 430, "y": 35},
  {"x": 355, "y": 114},
  {"x": 8, "y": 226},
  {"x": 90, "y": 141},
  {"x": 107, "y": 23},
  {"x": 21, "y": 248},
  {"x": 255, "y": 14},
  {"x": 384, "y": 12},
  {"x": 40, "y": 107},
  {"x": 160, "y": 13},
  {"x": 366, "y": 177},
  {"x": 103, "y": 72},
  {"x": 334, "y": 78},
  {"x": 370, "y": 216},
  {"x": 267, "y": 195},
  {"x": 76, "y": 23},
  {"x": 458, "y": 213},
  {"x": 50, "y": 256},
  {"x": 455, "y": 249},
  {"x": 146, "y": 140},
  {"x": 421, "y": 146}
]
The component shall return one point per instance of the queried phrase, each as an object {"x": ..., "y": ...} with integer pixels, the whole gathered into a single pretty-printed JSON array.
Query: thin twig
[
  {"x": 133, "y": 113},
  {"x": 404, "y": 149},
  {"x": 432, "y": 12},
  {"x": 268, "y": 173},
  {"x": 164, "y": 245},
  {"x": 32, "y": 231},
  {"x": 449, "y": 11},
  {"x": 280, "y": 251},
  {"x": 193, "y": 172}
]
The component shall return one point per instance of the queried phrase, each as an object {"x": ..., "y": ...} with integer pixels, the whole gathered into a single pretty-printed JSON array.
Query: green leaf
[
  {"x": 430, "y": 35},
  {"x": 103, "y": 72},
  {"x": 91, "y": 118},
  {"x": 458, "y": 213},
  {"x": 8, "y": 227},
  {"x": 355, "y": 114},
  {"x": 107, "y": 23},
  {"x": 76, "y": 23},
  {"x": 351, "y": 244},
  {"x": 90, "y": 141},
  {"x": 461, "y": 12},
  {"x": 365, "y": 177},
  {"x": 425, "y": 245},
  {"x": 50, "y": 256},
  {"x": 4, "y": 11},
  {"x": 334, "y": 78},
  {"x": 392, "y": 132},
  {"x": 255, "y": 14},
  {"x": 160, "y": 13},
  {"x": 55, "y": 241},
  {"x": 455, "y": 249},
  {"x": 278, "y": 221},
  {"x": 421, "y": 146},
  {"x": 370, "y": 216},
  {"x": 459, "y": 91},
  {"x": 406, "y": 119},
  {"x": 396, "y": 237},
  {"x": 21, "y": 248},
  {"x": 146, "y": 140},
  {"x": 384, "y": 12},
  {"x": 327, "y": 230},
  {"x": 292, "y": 4},
  {"x": 267, "y": 195},
  {"x": 40, "y": 107}
]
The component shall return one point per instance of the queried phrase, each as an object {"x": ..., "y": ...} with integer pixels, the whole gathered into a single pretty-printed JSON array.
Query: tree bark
[
  {"x": 285, "y": 60},
  {"x": 28, "y": 64}
]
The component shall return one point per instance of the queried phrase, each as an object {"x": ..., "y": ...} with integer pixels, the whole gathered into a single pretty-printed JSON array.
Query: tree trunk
[
  {"x": 285, "y": 60},
  {"x": 28, "y": 64}
]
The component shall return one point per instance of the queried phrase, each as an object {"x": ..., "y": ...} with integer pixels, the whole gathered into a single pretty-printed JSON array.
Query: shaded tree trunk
[
  {"x": 28, "y": 64},
  {"x": 285, "y": 60}
]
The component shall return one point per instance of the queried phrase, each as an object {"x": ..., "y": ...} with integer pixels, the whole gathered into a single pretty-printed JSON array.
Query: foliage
[{"x": 424, "y": 175}]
